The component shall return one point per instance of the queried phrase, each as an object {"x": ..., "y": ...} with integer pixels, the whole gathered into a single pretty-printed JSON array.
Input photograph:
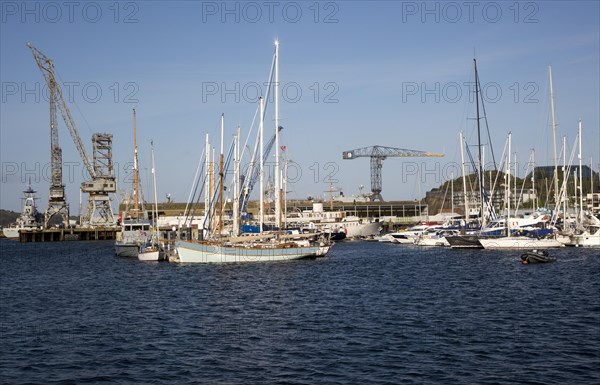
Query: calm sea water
[{"x": 367, "y": 313}]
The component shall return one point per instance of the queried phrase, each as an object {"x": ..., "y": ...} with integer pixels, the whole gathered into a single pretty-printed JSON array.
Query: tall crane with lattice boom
[
  {"x": 100, "y": 167},
  {"x": 378, "y": 154}
]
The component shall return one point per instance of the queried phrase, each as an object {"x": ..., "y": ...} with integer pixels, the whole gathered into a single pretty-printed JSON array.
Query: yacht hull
[
  {"x": 11, "y": 233},
  {"x": 464, "y": 242},
  {"x": 585, "y": 240},
  {"x": 196, "y": 252},
  {"x": 431, "y": 242},
  {"x": 127, "y": 250},
  {"x": 519, "y": 243},
  {"x": 149, "y": 256}
]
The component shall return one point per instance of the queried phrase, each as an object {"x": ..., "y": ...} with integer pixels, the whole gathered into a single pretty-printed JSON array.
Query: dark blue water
[{"x": 367, "y": 313}]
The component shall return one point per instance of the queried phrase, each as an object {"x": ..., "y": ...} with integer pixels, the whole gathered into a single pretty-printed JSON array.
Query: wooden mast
[
  {"x": 221, "y": 177},
  {"x": 136, "y": 175},
  {"x": 277, "y": 175}
]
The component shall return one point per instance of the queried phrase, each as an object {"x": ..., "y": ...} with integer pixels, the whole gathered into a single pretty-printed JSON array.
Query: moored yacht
[
  {"x": 212, "y": 246},
  {"x": 589, "y": 234},
  {"x": 135, "y": 227},
  {"x": 409, "y": 235}
]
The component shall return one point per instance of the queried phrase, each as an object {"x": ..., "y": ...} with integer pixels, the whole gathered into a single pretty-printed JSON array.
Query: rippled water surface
[{"x": 367, "y": 313}]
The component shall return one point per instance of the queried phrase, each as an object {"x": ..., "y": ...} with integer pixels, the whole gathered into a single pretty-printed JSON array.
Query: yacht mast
[
  {"x": 285, "y": 187},
  {"x": 591, "y": 175},
  {"x": 136, "y": 175},
  {"x": 516, "y": 175},
  {"x": 207, "y": 178},
  {"x": 533, "y": 179},
  {"x": 565, "y": 177},
  {"x": 554, "y": 140},
  {"x": 155, "y": 216},
  {"x": 261, "y": 165},
  {"x": 221, "y": 177},
  {"x": 452, "y": 192},
  {"x": 575, "y": 188},
  {"x": 277, "y": 176},
  {"x": 464, "y": 177},
  {"x": 479, "y": 165},
  {"x": 580, "y": 177},
  {"x": 508, "y": 185},
  {"x": 236, "y": 185}
]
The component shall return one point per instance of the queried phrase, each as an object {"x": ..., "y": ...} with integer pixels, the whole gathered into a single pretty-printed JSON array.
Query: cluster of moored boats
[
  {"x": 539, "y": 230},
  {"x": 533, "y": 231}
]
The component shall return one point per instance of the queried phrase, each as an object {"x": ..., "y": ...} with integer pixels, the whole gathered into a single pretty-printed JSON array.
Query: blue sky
[{"x": 353, "y": 74}]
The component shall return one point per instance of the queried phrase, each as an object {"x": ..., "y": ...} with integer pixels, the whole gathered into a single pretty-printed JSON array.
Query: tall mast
[
  {"x": 508, "y": 185},
  {"x": 155, "y": 216},
  {"x": 516, "y": 175},
  {"x": 580, "y": 177},
  {"x": 533, "y": 179},
  {"x": 236, "y": 185},
  {"x": 464, "y": 177},
  {"x": 479, "y": 143},
  {"x": 554, "y": 140},
  {"x": 213, "y": 184},
  {"x": 452, "y": 192},
  {"x": 277, "y": 181},
  {"x": 591, "y": 175},
  {"x": 206, "y": 176},
  {"x": 261, "y": 165},
  {"x": 285, "y": 187},
  {"x": 136, "y": 175},
  {"x": 576, "y": 200},
  {"x": 221, "y": 176},
  {"x": 565, "y": 176}
]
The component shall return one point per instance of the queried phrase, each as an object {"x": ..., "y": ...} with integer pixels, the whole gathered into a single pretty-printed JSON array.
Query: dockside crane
[
  {"x": 100, "y": 167},
  {"x": 378, "y": 154}
]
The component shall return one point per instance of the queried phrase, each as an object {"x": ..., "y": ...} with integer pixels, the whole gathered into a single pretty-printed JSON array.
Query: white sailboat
[
  {"x": 263, "y": 247},
  {"x": 151, "y": 252},
  {"x": 135, "y": 226},
  {"x": 587, "y": 231},
  {"x": 516, "y": 242},
  {"x": 590, "y": 236}
]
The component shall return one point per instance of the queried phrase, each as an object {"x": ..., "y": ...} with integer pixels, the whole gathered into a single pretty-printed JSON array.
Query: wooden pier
[{"x": 69, "y": 234}]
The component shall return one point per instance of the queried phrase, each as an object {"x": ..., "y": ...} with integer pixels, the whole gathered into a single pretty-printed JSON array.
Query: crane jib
[{"x": 377, "y": 155}]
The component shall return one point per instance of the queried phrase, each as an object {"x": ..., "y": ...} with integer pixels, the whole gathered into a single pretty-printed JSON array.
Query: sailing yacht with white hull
[
  {"x": 152, "y": 252},
  {"x": 135, "y": 226},
  {"x": 263, "y": 247},
  {"x": 516, "y": 242},
  {"x": 472, "y": 240}
]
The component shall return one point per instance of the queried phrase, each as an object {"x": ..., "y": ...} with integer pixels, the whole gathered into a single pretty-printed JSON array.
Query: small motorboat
[{"x": 536, "y": 256}]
